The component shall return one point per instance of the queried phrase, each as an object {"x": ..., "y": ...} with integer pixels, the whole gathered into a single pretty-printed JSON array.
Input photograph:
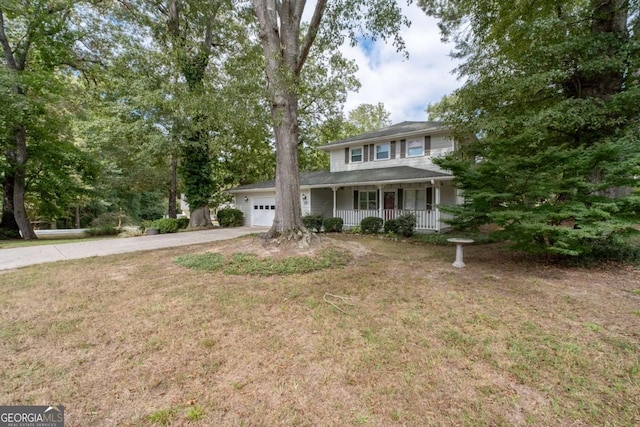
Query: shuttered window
[
  {"x": 356, "y": 155},
  {"x": 382, "y": 151},
  {"x": 415, "y": 147}
]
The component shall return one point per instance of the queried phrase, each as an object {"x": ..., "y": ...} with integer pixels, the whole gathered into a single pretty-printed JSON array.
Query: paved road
[{"x": 21, "y": 257}]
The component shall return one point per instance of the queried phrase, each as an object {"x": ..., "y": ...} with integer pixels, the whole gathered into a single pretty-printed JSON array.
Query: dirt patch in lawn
[{"x": 135, "y": 339}]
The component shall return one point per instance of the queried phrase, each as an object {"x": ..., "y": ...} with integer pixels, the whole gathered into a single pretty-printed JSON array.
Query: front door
[{"x": 389, "y": 204}]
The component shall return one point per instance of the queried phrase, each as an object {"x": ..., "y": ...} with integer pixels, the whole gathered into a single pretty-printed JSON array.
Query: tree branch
[
  {"x": 312, "y": 32},
  {"x": 6, "y": 47}
]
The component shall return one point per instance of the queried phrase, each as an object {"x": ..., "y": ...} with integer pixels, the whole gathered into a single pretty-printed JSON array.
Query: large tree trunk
[
  {"x": 19, "y": 185},
  {"x": 200, "y": 218},
  {"x": 284, "y": 58},
  {"x": 288, "y": 215},
  {"x": 173, "y": 186},
  {"x": 8, "y": 226}
]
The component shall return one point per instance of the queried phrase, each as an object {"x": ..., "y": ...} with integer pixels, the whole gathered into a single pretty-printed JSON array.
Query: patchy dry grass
[{"x": 137, "y": 340}]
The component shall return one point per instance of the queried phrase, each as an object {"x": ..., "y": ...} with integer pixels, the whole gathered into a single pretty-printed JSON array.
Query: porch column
[
  {"x": 380, "y": 202},
  {"x": 335, "y": 203},
  {"x": 437, "y": 203}
]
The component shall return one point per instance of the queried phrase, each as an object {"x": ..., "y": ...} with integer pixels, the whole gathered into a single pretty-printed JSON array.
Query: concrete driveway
[{"x": 21, "y": 257}]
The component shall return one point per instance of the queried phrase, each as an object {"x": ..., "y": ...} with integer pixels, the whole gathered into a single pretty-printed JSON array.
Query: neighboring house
[{"x": 385, "y": 173}]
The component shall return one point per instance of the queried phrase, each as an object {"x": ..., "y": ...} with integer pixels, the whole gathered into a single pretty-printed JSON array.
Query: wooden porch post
[
  {"x": 380, "y": 202},
  {"x": 335, "y": 190},
  {"x": 437, "y": 204}
]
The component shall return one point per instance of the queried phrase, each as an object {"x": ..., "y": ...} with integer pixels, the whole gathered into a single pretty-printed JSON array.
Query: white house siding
[
  {"x": 322, "y": 202},
  {"x": 448, "y": 195},
  {"x": 440, "y": 145}
]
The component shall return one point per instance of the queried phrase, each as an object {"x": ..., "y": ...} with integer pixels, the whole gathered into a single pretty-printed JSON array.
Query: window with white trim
[
  {"x": 382, "y": 151},
  {"x": 368, "y": 200},
  {"x": 415, "y": 200},
  {"x": 415, "y": 148},
  {"x": 356, "y": 155}
]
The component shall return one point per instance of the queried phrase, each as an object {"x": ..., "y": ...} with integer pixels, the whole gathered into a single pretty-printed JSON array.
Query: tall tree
[
  {"x": 552, "y": 93},
  {"x": 37, "y": 39},
  {"x": 193, "y": 32},
  {"x": 368, "y": 117},
  {"x": 286, "y": 43}
]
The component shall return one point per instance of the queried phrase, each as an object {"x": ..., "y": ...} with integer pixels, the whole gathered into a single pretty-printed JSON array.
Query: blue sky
[{"x": 404, "y": 86}]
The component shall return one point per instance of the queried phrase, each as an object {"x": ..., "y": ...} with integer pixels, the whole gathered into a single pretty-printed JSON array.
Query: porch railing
[{"x": 425, "y": 220}]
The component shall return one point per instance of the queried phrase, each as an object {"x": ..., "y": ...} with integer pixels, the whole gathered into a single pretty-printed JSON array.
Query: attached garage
[{"x": 263, "y": 211}]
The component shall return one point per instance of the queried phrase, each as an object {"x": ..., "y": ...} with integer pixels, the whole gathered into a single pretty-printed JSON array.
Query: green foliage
[
  {"x": 229, "y": 217},
  {"x": 555, "y": 153},
  {"x": 406, "y": 225},
  {"x": 441, "y": 239},
  {"x": 251, "y": 264},
  {"x": 113, "y": 219},
  {"x": 313, "y": 222},
  {"x": 182, "y": 223},
  {"x": 371, "y": 225},
  {"x": 391, "y": 226},
  {"x": 104, "y": 230},
  {"x": 165, "y": 225},
  {"x": 196, "y": 171},
  {"x": 367, "y": 118},
  {"x": 333, "y": 225}
]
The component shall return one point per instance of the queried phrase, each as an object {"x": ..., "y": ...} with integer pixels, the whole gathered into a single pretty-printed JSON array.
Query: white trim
[{"x": 394, "y": 137}]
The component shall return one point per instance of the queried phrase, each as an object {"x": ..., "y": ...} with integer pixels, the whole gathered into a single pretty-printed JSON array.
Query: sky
[{"x": 405, "y": 86}]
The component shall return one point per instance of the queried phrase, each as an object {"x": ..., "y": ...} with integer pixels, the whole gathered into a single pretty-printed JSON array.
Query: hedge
[
  {"x": 333, "y": 225},
  {"x": 371, "y": 225},
  {"x": 229, "y": 217},
  {"x": 313, "y": 222}
]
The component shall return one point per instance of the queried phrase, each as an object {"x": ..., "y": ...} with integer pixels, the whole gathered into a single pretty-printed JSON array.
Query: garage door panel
[{"x": 263, "y": 211}]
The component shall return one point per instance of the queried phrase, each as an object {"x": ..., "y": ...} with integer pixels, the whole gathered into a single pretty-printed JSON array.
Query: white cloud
[{"x": 405, "y": 86}]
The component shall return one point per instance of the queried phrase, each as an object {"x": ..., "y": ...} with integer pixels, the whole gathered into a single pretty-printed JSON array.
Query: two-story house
[{"x": 384, "y": 173}]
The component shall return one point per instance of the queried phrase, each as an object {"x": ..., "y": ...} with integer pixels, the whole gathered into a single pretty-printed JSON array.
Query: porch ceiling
[{"x": 358, "y": 177}]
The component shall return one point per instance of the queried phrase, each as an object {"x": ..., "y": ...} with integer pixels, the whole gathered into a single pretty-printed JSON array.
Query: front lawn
[{"x": 397, "y": 336}]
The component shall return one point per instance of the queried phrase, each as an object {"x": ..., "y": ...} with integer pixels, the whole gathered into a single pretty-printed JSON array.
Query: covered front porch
[
  {"x": 425, "y": 220},
  {"x": 385, "y": 201},
  {"x": 386, "y": 193}
]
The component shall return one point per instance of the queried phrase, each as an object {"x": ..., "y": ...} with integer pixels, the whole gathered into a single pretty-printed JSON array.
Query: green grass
[
  {"x": 251, "y": 264},
  {"x": 163, "y": 417}
]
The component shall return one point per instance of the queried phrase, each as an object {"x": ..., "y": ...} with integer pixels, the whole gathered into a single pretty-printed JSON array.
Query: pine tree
[{"x": 553, "y": 100}]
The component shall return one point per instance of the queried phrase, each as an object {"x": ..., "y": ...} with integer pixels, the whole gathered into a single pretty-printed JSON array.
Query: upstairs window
[
  {"x": 415, "y": 148},
  {"x": 356, "y": 155},
  {"x": 382, "y": 151}
]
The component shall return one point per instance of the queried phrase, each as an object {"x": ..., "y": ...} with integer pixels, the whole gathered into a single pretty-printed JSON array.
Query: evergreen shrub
[
  {"x": 391, "y": 226},
  {"x": 406, "y": 225},
  {"x": 313, "y": 222},
  {"x": 229, "y": 217},
  {"x": 183, "y": 223},
  {"x": 371, "y": 225},
  {"x": 165, "y": 225},
  {"x": 333, "y": 225}
]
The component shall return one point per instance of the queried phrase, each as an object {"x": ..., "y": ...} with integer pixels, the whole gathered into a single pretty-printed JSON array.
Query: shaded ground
[{"x": 137, "y": 340}]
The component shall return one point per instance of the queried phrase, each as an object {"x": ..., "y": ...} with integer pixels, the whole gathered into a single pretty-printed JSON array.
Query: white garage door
[{"x": 264, "y": 210}]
